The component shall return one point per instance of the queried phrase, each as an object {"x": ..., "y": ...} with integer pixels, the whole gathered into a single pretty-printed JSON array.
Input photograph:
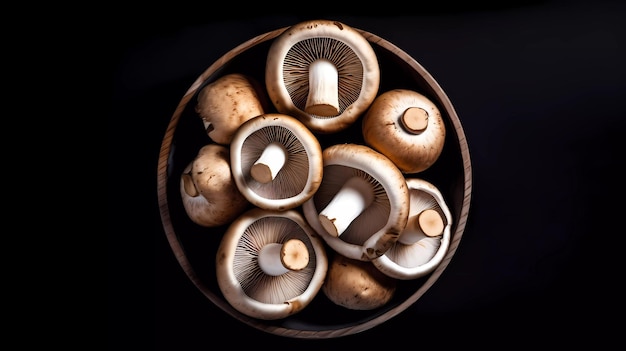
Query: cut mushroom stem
[
  {"x": 323, "y": 98},
  {"x": 352, "y": 199},
  {"x": 271, "y": 161},
  {"x": 277, "y": 259},
  {"x": 428, "y": 222},
  {"x": 415, "y": 120}
]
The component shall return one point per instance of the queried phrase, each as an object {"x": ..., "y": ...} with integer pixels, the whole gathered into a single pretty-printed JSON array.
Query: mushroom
[
  {"x": 322, "y": 72},
  {"x": 426, "y": 238},
  {"x": 357, "y": 285},
  {"x": 276, "y": 161},
  {"x": 270, "y": 264},
  {"x": 407, "y": 127},
  {"x": 362, "y": 204},
  {"x": 209, "y": 194},
  {"x": 227, "y": 102}
]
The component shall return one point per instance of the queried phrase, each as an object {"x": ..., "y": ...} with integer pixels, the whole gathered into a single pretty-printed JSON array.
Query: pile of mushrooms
[{"x": 291, "y": 206}]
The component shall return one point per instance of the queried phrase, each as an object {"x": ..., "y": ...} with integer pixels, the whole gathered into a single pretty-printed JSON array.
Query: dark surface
[{"x": 539, "y": 89}]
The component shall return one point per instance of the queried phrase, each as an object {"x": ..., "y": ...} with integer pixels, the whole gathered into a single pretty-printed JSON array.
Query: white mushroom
[
  {"x": 362, "y": 204},
  {"x": 209, "y": 193},
  {"x": 276, "y": 161},
  {"x": 227, "y": 102},
  {"x": 322, "y": 72},
  {"x": 407, "y": 127},
  {"x": 270, "y": 264},
  {"x": 426, "y": 238},
  {"x": 357, "y": 285}
]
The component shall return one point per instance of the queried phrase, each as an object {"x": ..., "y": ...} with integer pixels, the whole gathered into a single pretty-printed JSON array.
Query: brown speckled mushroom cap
[
  {"x": 270, "y": 293},
  {"x": 322, "y": 72},
  {"x": 208, "y": 191},
  {"x": 407, "y": 127},
  {"x": 421, "y": 252},
  {"x": 298, "y": 173},
  {"x": 371, "y": 231}
]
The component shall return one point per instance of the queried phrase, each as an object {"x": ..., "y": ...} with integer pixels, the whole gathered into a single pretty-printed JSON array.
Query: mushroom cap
[
  {"x": 287, "y": 71},
  {"x": 376, "y": 229},
  {"x": 242, "y": 281},
  {"x": 384, "y": 130},
  {"x": 227, "y": 102},
  {"x": 357, "y": 285},
  {"x": 209, "y": 193},
  {"x": 301, "y": 174},
  {"x": 416, "y": 260}
]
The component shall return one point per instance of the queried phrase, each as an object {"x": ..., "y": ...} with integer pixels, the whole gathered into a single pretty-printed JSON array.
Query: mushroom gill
[
  {"x": 322, "y": 72},
  {"x": 276, "y": 161},
  {"x": 270, "y": 264}
]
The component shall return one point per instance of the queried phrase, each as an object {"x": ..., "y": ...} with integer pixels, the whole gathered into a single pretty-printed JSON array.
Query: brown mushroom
[
  {"x": 407, "y": 127},
  {"x": 322, "y": 72},
  {"x": 362, "y": 204},
  {"x": 270, "y": 264},
  {"x": 227, "y": 102},
  {"x": 357, "y": 285},
  {"x": 209, "y": 193},
  {"x": 276, "y": 161},
  {"x": 424, "y": 241}
]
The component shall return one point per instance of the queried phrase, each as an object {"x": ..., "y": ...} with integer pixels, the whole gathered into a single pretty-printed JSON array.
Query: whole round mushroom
[
  {"x": 209, "y": 194},
  {"x": 227, "y": 102},
  {"x": 407, "y": 127},
  {"x": 362, "y": 204},
  {"x": 276, "y": 161},
  {"x": 270, "y": 264},
  {"x": 424, "y": 242},
  {"x": 322, "y": 72},
  {"x": 357, "y": 285}
]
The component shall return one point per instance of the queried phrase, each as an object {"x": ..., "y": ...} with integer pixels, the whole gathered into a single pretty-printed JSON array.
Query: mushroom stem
[
  {"x": 415, "y": 120},
  {"x": 352, "y": 199},
  {"x": 427, "y": 223},
  {"x": 276, "y": 259},
  {"x": 271, "y": 161},
  {"x": 323, "y": 98}
]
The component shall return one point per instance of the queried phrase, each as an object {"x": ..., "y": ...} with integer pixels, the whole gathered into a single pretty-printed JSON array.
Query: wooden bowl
[{"x": 195, "y": 247}]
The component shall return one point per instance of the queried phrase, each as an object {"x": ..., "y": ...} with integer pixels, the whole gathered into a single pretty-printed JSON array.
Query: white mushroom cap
[
  {"x": 322, "y": 72},
  {"x": 422, "y": 253},
  {"x": 209, "y": 193},
  {"x": 227, "y": 102},
  {"x": 269, "y": 293},
  {"x": 407, "y": 127},
  {"x": 377, "y": 226},
  {"x": 276, "y": 161}
]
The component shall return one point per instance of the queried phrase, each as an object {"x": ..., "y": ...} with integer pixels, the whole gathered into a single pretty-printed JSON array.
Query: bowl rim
[{"x": 183, "y": 260}]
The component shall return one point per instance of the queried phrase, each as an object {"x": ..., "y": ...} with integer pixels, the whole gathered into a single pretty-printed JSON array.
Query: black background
[{"x": 539, "y": 87}]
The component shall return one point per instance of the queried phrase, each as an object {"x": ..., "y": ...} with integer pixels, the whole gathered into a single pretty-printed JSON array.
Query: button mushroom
[
  {"x": 270, "y": 264},
  {"x": 227, "y": 102},
  {"x": 322, "y": 72},
  {"x": 209, "y": 193},
  {"x": 357, "y": 285},
  {"x": 426, "y": 238},
  {"x": 362, "y": 204},
  {"x": 407, "y": 127},
  {"x": 276, "y": 161}
]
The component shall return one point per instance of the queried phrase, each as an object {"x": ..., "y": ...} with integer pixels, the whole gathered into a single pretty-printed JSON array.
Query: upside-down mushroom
[
  {"x": 407, "y": 127},
  {"x": 322, "y": 72},
  {"x": 227, "y": 102},
  {"x": 424, "y": 242},
  {"x": 270, "y": 264},
  {"x": 362, "y": 204},
  {"x": 209, "y": 194},
  {"x": 357, "y": 285},
  {"x": 276, "y": 161}
]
